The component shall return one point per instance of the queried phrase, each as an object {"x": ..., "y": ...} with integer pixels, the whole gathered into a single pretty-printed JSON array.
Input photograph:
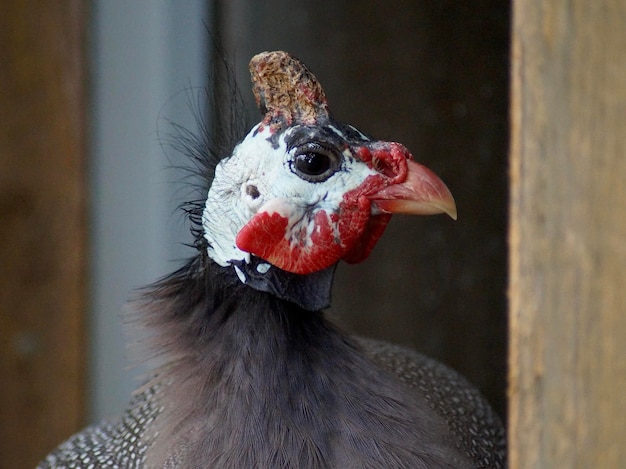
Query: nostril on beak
[
  {"x": 386, "y": 158},
  {"x": 383, "y": 167},
  {"x": 390, "y": 160}
]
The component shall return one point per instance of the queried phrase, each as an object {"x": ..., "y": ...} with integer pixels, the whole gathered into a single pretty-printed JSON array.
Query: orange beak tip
[{"x": 418, "y": 207}]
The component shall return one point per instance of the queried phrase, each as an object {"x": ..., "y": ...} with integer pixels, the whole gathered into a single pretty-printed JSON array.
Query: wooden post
[
  {"x": 568, "y": 235},
  {"x": 42, "y": 227}
]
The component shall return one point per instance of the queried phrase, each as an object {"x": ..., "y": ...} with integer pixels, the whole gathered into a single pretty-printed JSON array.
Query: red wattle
[
  {"x": 262, "y": 232},
  {"x": 365, "y": 243},
  {"x": 266, "y": 236},
  {"x": 357, "y": 226}
]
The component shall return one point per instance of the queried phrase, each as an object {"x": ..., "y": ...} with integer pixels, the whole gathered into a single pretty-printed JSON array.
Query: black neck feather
[
  {"x": 310, "y": 292},
  {"x": 257, "y": 381}
]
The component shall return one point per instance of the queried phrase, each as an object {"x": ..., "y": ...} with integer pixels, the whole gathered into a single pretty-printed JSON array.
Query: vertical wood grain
[
  {"x": 568, "y": 235},
  {"x": 42, "y": 226}
]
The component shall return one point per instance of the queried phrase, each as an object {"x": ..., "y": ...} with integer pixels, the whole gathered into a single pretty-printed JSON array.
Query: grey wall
[{"x": 145, "y": 54}]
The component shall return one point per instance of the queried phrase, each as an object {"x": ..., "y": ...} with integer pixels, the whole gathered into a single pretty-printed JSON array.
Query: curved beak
[{"x": 421, "y": 193}]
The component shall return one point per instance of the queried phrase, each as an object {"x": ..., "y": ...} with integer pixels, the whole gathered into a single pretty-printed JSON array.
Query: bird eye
[{"x": 314, "y": 163}]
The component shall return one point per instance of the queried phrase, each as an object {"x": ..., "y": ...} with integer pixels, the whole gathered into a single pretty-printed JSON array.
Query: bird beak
[{"x": 421, "y": 193}]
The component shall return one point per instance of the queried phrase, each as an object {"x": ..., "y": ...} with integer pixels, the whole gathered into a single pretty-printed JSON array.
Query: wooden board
[
  {"x": 568, "y": 235},
  {"x": 42, "y": 227}
]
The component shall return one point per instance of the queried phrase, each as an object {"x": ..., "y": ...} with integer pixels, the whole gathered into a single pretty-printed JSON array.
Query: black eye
[{"x": 314, "y": 163}]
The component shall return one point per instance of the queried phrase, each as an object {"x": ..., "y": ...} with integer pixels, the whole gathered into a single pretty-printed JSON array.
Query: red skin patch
[
  {"x": 350, "y": 233},
  {"x": 266, "y": 236}
]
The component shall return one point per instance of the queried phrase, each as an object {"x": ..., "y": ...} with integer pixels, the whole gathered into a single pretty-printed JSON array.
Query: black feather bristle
[{"x": 221, "y": 122}]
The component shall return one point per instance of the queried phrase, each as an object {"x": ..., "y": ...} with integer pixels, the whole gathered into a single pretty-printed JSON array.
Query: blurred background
[{"x": 88, "y": 191}]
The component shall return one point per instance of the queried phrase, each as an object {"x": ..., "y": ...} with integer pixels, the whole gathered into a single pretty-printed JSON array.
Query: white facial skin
[{"x": 258, "y": 177}]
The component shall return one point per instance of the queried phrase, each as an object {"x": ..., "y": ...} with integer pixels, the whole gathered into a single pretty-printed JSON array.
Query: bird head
[{"x": 303, "y": 191}]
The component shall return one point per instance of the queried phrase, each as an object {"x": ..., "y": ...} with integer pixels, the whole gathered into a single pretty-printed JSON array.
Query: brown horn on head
[{"x": 286, "y": 91}]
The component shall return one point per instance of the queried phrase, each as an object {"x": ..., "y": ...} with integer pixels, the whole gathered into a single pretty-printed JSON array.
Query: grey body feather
[
  {"x": 478, "y": 431},
  {"x": 255, "y": 381}
]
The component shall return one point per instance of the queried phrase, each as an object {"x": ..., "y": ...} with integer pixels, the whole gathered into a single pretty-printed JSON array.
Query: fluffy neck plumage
[{"x": 255, "y": 381}]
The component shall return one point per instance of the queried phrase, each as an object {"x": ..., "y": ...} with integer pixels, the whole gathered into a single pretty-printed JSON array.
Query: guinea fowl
[{"x": 255, "y": 375}]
